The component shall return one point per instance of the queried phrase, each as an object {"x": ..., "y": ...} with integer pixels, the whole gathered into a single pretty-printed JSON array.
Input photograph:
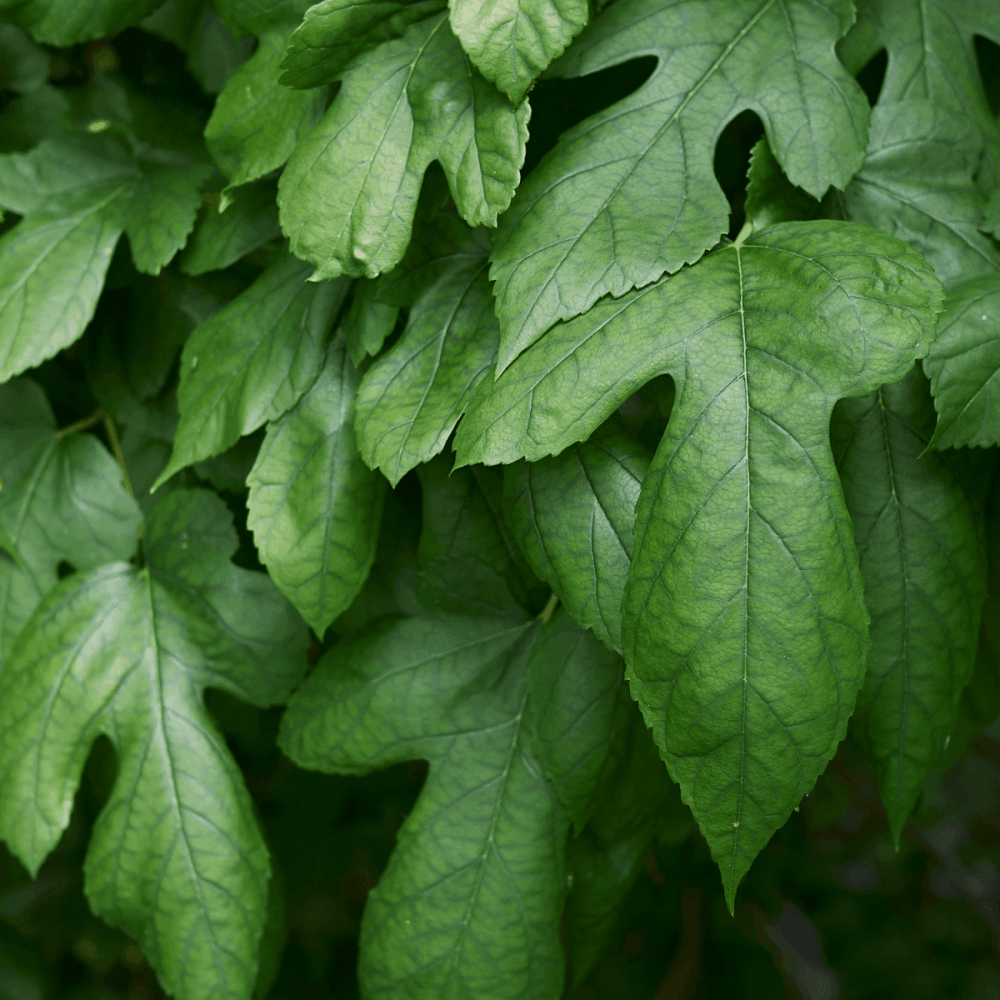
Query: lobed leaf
[
  {"x": 631, "y": 192},
  {"x": 348, "y": 195},
  {"x": 470, "y": 902},
  {"x": 743, "y": 624},
  {"x": 314, "y": 506},
  {"x": 176, "y": 858}
]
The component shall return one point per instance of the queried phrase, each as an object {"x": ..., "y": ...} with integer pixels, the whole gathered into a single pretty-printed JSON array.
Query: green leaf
[
  {"x": 348, "y": 195},
  {"x": 964, "y": 366},
  {"x": 467, "y": 555},
  {"x": 66, "y": 22},
  {"x": 333, "y": 32},
  {"x": 916, "y": 183},
  {"x": 744, "y": 626},
  {"x": 314, "y": 506},
  {"x": 222, "y": 238},
  {"x": 576, "y": 694},
  {"x": 256, "y": 123},
  {"x": 469, "y": 904},
  {"x": 24, "y": 66},
  {"x": 175, "y": 857},
  {"x": 573, "y": 517},
  {"x": 63, "y": 500},
  {"x": 932, "y": 56},
  {"x": 368, "y": 322},
  {"x": 771, "y": 196},
  {"x": 161, "y": 213},
  {"x": 920, "y": 542},
  {"x": 251, "y": 362},
  {"x": 631, "y": 192},
  {"x": 411, "y": 399},
  {"x": 510, "y": 44},
  {"x": 256, "y": 17}
]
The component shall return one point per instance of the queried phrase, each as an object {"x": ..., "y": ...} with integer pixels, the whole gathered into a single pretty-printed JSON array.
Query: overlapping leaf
[
  {"x": 314, "y": 506},
  {"x": 368, "y": 322},
  {"x": 175, "y": 858},
  {"x": 573, "y": 516},
  {"x": 256, "y": 123},
  {"x": 349, "y": 193},
  {"x": 511, "y": 43},
  {"x": 470, "y": 902},
  {"x": 920, "y": 542},
  {"x": 631, "y": 192},
  {"x": 221, "y": 238},
  {"x": 62, "y": 501},
  {"x": 916, "y": 184},
  {"x": 251, "y": 362},
  {"x": 78, "y": 194},
  {"x": 744, "y": 626},
  {"x": 964, "y": 366},
  {"x": 411, "y": 399},
  {"x": 932, "y": 56}
]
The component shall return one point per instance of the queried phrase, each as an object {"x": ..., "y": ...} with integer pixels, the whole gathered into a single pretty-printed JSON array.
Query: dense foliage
[{"x": 520, "y": 454}]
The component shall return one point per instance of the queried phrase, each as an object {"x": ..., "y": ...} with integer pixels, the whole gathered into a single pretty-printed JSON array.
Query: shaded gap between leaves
[
  {"x": 988, "y": 61},
  {"x": 732, "y": 160},
  {"x": 871, "y": 76},
  {"x": 557, "y": 105}
]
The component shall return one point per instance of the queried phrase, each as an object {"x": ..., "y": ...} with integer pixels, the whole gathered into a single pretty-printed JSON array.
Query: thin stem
[
  {"x": 116, "y": 448},
  {"x": 549, "y": 608},
  {"x": 82, "y": 424}
]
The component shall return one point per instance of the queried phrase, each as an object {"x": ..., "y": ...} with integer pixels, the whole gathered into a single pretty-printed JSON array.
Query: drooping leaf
[
  {"x": 161, "y": 213},
  {"x": 931, "y": 55},
  {"x": 314, "y": 506},
  {"x": 916, "y": 183},
  {"x": 511, "y": 43},
  {"x": 920, "y": 543},
  {"x": 411, "y": 399},
  {"x": 221, "y": 238},
  {"x": 470, "y": 902},
  {"x": 175, "y": 858},
  {"x": 631, "y": 192},
  {"x": 251, "y": 362},
  {"x": 744, "y": 626},
  {"x": 368, "y": 322},
  {"x": 573, "y": 516},
  {"x": 348, "y": 195},
  {"x": 256, "y": 123},
  {"x": 62, "y": 501},
  {"x": 964, "y": 366},
  {"x": 333, "y": 32},
  {"x": 66, "y": 22}
]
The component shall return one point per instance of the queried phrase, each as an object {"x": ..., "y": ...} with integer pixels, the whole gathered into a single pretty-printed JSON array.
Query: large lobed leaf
[
  {"x": 470, "y": 902},
  {"x": 176, "y": 858},
  {"x": 631, "y": 192},
  {"x": 744, "y": 626}
]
